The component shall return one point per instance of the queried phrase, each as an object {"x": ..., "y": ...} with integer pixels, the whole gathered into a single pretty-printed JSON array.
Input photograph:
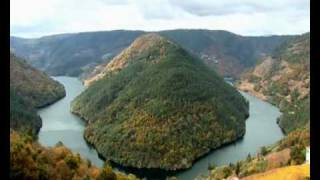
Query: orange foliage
[{"x": 290, "y": 172}]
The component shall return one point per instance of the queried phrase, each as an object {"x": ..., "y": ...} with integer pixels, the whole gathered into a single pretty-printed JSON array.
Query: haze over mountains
[{"x": 78, "y": 54}]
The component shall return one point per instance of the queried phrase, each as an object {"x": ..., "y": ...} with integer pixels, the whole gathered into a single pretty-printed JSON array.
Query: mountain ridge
[{"x": 62, "y": 55}]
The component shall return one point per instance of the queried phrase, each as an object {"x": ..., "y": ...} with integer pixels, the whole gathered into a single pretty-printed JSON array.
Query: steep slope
[
  {"x": 29, "y": 89},
  {"x": 156, "y": 106},
  {"x": 30, "y": 160},
  {"x": 284, "y": 80},
  {"x": 286, "y": 159},
  {"x": 78, "y": 54}
]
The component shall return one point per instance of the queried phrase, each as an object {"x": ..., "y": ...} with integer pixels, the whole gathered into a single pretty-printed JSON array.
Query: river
[{"x": 59, "y": 124}]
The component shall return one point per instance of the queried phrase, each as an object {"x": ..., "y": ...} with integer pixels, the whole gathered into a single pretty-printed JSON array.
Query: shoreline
[
  {"x": 156, "y": 172},
  {"x": 265, "y": 99}
]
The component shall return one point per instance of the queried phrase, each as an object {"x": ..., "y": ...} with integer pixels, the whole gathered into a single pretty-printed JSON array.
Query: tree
[
  {"x": 263, "y": 151},
  {"x": 211, "y": 166},
  {"x": 249, "y": 157},
  {"x": 238, "y": 168}
]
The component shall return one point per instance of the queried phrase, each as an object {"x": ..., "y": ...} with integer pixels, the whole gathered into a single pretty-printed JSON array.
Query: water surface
[
  {"x": 261, "y": 130},
  {"x": 61, "y": 125}
]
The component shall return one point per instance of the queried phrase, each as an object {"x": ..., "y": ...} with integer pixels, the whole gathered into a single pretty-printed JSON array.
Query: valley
[
  {"x": 29, "y": 89},
  {"x": 159, "y": 109},
  {"x": 159, "y": 90},
  {"x": 283, "y": 79},
  {"x": 60, "y": 125}
]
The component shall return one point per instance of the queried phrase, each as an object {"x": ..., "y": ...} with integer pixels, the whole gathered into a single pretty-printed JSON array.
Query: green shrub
[{"x": 72, "y": 161}]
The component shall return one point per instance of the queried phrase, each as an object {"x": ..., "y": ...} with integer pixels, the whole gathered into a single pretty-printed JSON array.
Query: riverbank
[{"x": 61, "y": 125}]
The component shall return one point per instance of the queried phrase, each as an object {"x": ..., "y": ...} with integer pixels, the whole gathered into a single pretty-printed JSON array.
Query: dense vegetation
[
  {"x": 29, "y": 89},
  {"x": 23, "y": 117},
  {"x": 33, "y": 85},
  {"x": 159, "y": 107},
  {"x": 29, "y": 160},
  {"x": 75, "y": 54},
  {"x": 285, "y": 81},
  {"x": 289, "y": 151}
]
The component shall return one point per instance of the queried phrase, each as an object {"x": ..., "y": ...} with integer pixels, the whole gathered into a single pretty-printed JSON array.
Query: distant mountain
[
  {"x": 78, "y": 54},
  {"x": 228, "y": 53},
  {"x": 156, "y": 106},
  {"x": 284, "y": 80},
  {"x": 29, "y": 89},
  {"x": 72, "y": 54}
]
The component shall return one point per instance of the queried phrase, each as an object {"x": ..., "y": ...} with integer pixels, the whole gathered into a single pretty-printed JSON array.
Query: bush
[
  {"x": 298, "y": 154},
  {"x": 72, "y": 161},
  {"x": 211, "y": 166},
  {"x": 107, "y": 174},
  {"x": 227, "y": 171},
  {"x": 263, "y": 150}
]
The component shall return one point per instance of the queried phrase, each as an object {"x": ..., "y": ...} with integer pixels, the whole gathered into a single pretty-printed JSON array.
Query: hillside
[
  {"x": 283, "y": 160},
  {"x": 78, "y": 54},
  {"x": 291, "y": 172},
  {"x": 30, "y": 160},
  {"x": 29, "y": 89},
  {"x": 284, "y": 80},
  {"x": 228, "y": 53},
  {"x": 158, "y": 107}
]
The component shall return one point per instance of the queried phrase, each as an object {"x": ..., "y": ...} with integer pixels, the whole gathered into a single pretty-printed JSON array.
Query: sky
[{"x": 35, "y": 18}]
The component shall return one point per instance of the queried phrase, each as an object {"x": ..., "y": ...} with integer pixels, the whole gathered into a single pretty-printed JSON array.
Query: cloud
[
  {"x": 156, "y": 9},
  {"x": 115, "y": 2},
  {"x": 209, "y": 7},
  {"x": 247, "y": 17}
]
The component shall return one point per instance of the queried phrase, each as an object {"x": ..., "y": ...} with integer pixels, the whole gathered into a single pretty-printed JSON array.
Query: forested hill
[
  {"x": 29, "y": 89},
  {"x": 79, "y": 53},
  {"x": 156, "y": 106},
  {"x": 284, "y": 80}
]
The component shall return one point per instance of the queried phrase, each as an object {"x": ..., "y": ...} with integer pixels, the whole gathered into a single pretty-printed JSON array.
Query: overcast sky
[{"x": 34, "y": 18}]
